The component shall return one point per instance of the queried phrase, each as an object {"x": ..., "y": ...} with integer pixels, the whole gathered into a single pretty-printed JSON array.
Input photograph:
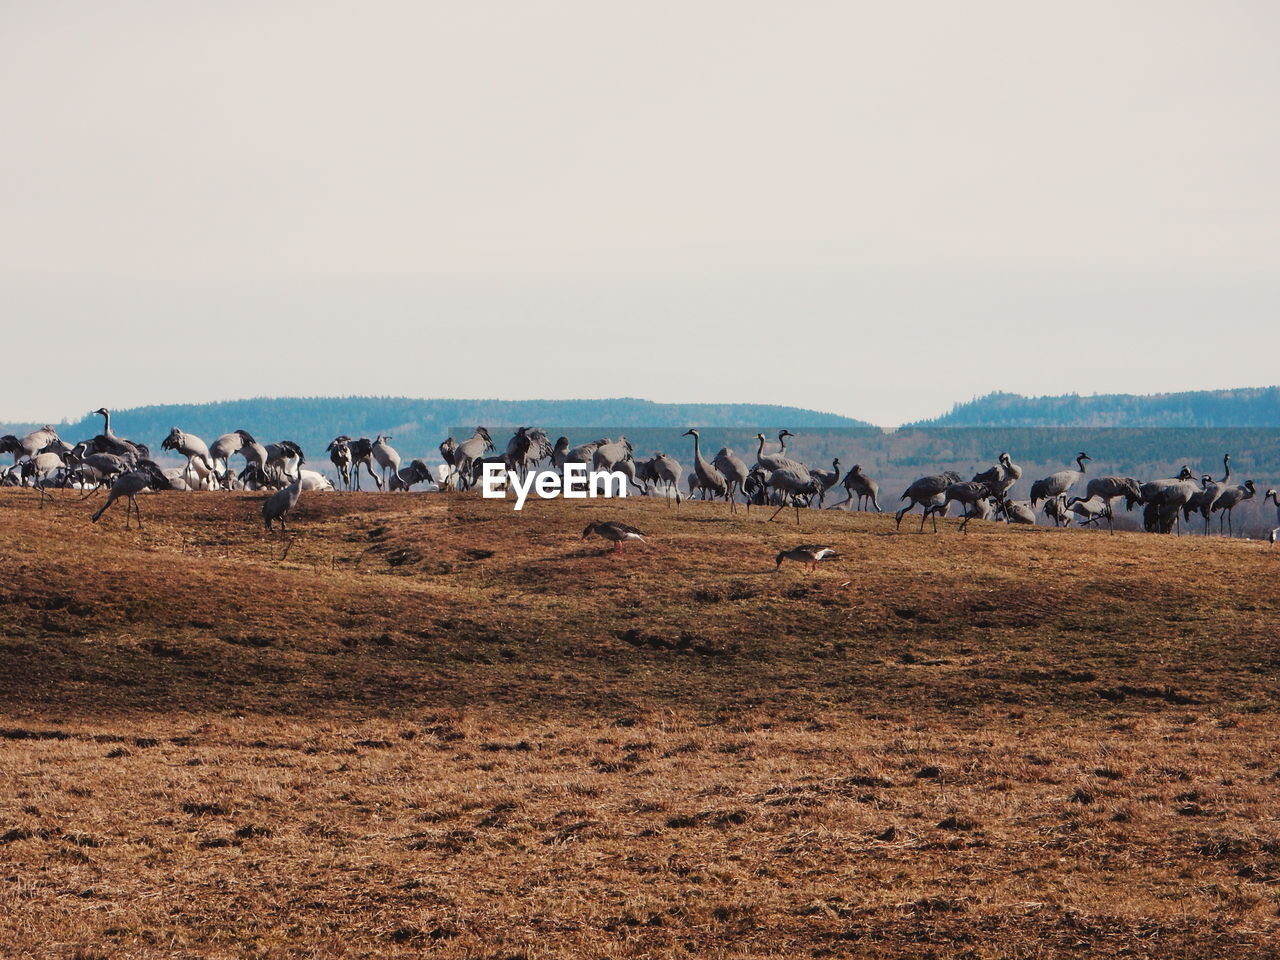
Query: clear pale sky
[{"x": 872, "y": 209}]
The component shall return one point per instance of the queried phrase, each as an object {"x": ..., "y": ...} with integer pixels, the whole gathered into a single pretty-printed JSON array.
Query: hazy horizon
[{"x": 866, "y": 211}]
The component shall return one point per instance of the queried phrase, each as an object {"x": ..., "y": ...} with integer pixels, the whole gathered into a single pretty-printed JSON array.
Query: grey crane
[
  {"x": 666, "y": 472},
  {"x": 282, "y": 454},
  {"x": 276, "y": 507},
  {"x": 710, "y": 479},
  {"x": 40, "y": 469},
  {"x": 11, "y": 444},
  {"x": 1059, "y": 483},
  {"x": 340, "y": 456},
  {"x": 1018, "y": 511},
  {"x": 826, "y": 479},
  {"x": 771, "y": 462},
  {"x": 1055, "y": 508},
  {"x": 792, "y": 483},
  {"x": 611, "y": 452},
  {"x": 221, "y": 451},
  {"x": 1090, "y": 510},
  {"x": 809, "y": 554},
  {"x": 190, "y": 446},
  {"x": 108, "y": 442},
  {"x": 969, "y": 494},
  {"x": 467, "y": 453},
  {"x": 527, "y": 447},
  {"x": 406, "y": 477},
  {"x": 386, "y": 456},
  {"x": 1000, "y": 478},
  {"x": 1163, "y": 501},
  {"x": 858, "y": 484},
  {"x": 922, "y": 492},
  {"x": 145, "y": 475},
  {"x": 1203, "y": 502},
  {"x": 734, "y": 471},
  {"x": 614, "y": 531},
  {"x": 1229, "y": 499}
]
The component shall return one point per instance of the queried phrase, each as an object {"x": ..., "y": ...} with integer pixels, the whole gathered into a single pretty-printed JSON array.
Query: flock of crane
[{"x": 44, "y": 461}]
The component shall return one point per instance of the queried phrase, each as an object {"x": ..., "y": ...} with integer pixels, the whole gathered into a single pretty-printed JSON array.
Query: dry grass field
[{"x": 441, "y": 727}]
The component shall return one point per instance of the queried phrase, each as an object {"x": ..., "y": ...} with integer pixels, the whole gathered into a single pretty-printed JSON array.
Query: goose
[
  {"x": 614, "y": 530},
  {"x": 810, "y": 554}
]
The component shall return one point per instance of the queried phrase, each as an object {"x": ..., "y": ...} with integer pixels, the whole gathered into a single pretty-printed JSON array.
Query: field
[{"x": 439, "y": 726}]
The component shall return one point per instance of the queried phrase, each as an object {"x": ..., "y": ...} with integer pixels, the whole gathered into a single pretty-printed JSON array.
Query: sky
[{"x": 864, "y": 208}]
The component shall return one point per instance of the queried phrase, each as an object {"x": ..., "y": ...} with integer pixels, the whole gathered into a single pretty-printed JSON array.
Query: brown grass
[{"x": 440, "y": 726}]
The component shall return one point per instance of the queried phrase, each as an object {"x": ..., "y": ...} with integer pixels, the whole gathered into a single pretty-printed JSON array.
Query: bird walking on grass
[
  {"x": 614, "y": 530},
  {"x": 277, "y": 506},
  {"x": 810, "y": 554},
  {"x": 129, "y": 485}
]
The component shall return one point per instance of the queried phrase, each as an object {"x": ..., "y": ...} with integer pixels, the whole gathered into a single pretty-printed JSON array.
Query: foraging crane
[
  {"x": 406, "y": 477},
  {"x": 968, "y": 494},
  {"x": 283, "y": 453},
  {"x": 1089, "y": 510},
  {"x": 666, "y": 472},
  {"x": 39, "y": 470},
  {"x": 792, "y": 483},
  {"x": 277, "y": 506},
  {"x": 221, "y": 451},
  {"x": 1055, "y": 508},
  {"x": 826, "y": 479},
  {"x": 1058, "y": 483},
  {"x": 856, "y": 483},
  {"x": 1163, "y": 501},
  {"x": 923, "y": 492},
  {"x": 612, "y": 451},
  {"x": 709, "y": 478},
  {"x": 146, "y": 475},
  {"x": 1018, "y": 511},
  {"x": 189, "y": 445},
  {"x": 1000, "y": 478}
]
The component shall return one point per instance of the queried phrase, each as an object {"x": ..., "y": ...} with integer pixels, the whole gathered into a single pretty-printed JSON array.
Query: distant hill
[
  {"x": 1247, "y": 407},
  {"x": 419, "y": 425}
]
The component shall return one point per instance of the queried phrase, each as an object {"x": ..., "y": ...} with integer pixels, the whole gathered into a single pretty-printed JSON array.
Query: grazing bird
[
  {"x": 1089, "y": 510},
  {"x": 792, "y": 484},
  {"x": 143, "y": 476},
  {"x": 416, "y": 472},
  {"x": 1055, "y": 508},
  {"x": 1163, "y": 500},
  {"x": 612, "y": 451},
  {"x": 826, "y": 479},
  {"x": 734, "y": 471},
  {"x": 857, "y": 483},
  {"x": 969, "y": 495},
  {"x": 1229, "y": 499},
  {"x": 709, "y": 478},
  {"x": 277, "y": 506},
  {"x": 283, "y": 453},
  {"x": 1018, "y": 511},
  {"x": 39, "y": 470},
  {"x": 221, "y": 452},
  {"x": 810, "y": 554},
  {"x": 1058, "y": 483},
  {"x": 1000, "y": 478},
  {"x": 923, "y": 492},
  {"x": 614, "y": 530},
  {"x": 189, "y": 445}
]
